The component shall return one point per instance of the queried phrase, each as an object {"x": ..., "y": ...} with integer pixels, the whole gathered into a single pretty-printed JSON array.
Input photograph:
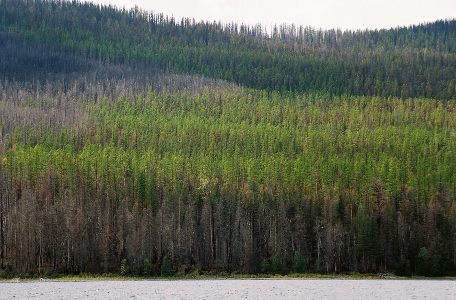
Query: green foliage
[
  {"x": 265, "y": 266},
  {"x": 167, "y": 266},
  {"x": 299, "y": 265},
  {"x": 277, "y": 264},
  {"x": 367, "y": 239},
  {"x": 403, "y": 267},
  {"x": 308, "y": 141},
  {"x": 257, "y": 153},
  {"x": 146, "y": 268},
  {"x": 400, "y": 62},
  {"x": 49, "y": 273},
  {"x": 421, "y": 262},
  {"x": 124, "y": 269},
  {"x": 9, "y": 270},
  {"x": 435, "y": 265}
]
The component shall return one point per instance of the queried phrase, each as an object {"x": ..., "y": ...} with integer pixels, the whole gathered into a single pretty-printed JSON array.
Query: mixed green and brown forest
[{"x": 131, "y": 142}]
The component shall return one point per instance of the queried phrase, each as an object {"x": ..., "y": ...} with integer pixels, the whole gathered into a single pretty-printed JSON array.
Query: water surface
[{"x": 233, "y": 289}]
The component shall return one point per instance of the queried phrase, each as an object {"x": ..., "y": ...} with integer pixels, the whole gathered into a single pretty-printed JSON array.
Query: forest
[{"x": 131, "y": 140}]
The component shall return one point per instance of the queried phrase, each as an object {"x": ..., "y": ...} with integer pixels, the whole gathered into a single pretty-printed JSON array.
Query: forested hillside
[
  {"x": 127, "y": 137},
  {"x": 418, "y": 61}
]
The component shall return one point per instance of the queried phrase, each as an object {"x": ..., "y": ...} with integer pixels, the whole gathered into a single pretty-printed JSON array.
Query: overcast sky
[{"x": 326, "y": 14}]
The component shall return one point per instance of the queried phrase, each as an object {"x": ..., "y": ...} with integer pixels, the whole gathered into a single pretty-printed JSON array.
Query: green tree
[
  {"x": 277, "y": 264},
  {"x": 403, "y": 267},
  {"x": 435, "y": 265},
  {"x": 146, "y": 268},
  {"x": 421, "y": 262},
  {"x": 299, "y": 265},
  {"x": 124, "y": 269},
  {"x": 167, "y": 266},
  {"x": 264, "y": 266}
]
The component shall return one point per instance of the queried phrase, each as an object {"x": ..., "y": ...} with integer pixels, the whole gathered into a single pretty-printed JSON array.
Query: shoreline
[{"x": 309, "y": 276}]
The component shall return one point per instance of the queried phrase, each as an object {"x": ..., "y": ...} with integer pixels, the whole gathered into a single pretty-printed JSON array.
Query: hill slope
[
  {"x": 106, "y": 157},
  {"x": 418, "y": 61}
]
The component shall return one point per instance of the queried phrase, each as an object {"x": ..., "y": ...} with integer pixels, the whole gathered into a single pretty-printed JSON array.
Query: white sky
[{"x": 326, "y": 14}]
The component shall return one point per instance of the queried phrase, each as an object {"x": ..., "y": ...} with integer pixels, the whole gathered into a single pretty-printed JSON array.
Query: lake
[{"x": 232, "y": 289}]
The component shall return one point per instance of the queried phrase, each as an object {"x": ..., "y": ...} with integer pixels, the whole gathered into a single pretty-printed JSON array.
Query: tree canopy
[{"x": 134, "y": 143}]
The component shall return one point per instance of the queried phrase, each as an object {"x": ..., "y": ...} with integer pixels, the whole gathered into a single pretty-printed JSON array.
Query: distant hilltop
[{"x": 406, "y": 62}]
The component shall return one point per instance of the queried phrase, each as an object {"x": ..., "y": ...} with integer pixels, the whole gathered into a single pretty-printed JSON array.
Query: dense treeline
[
  {"x": 334, "y": 162},
  {"x": 234, "y": 180},
  {"x": 418, "y": 61},
  {"x": 42, "y": 87}
]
